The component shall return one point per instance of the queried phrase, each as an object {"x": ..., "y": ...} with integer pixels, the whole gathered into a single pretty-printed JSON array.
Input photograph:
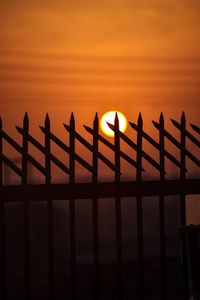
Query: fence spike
[
  {"x": 162, "y": 210},
  {"x": 175, "y": 123},
  {"x": 183, "y": 118},
  {"x": 42, "y": 128},
  {"x": 67, "y": 127},
  {"x": 25, "y": 148},
  {"x": 88, "y": 129},
  {"x": 47, "y": 121},
  {"x": 116, "y": 120},
  {"x": 196, "y": 128},
  {"x": 140, "y": 120},
  {"x": 182, "y": 172},
  {"x": 19, "y": 129},
  {"x": 26, "y": 120},
  {"x": 72, "y": 120},
  {"x": 1, "y": 152},
  {"x": 96, "y": 120},
  {"x": 156, "y": 124},
  {"x": 161, "y": 120}
]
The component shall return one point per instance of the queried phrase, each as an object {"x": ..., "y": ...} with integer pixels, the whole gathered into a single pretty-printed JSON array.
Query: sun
[{"x": 110, "y": 117}]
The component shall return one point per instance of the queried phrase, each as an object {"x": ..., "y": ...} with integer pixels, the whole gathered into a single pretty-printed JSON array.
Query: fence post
[
  {"x": 118, "y": 209},
  {"x": 162, "y": 210},
  {"x": 95, "y": 208},
  {"x": 26, "y": 209},
  {"x": 1, "y": 152},
  {"x": 139, "y": 211},
  {"x": 50, "y": 220},
  {"x": 72, "y": 210},
  {"x": 182, "y": 170},
  {"x": 2, "y": 227}
]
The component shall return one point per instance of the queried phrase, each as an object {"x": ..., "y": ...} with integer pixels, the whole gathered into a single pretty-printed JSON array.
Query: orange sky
[{"x": 88, "y": 56}]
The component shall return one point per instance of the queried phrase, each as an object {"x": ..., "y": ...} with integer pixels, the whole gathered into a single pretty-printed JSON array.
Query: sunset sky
[{"x": 87, "y": 56}]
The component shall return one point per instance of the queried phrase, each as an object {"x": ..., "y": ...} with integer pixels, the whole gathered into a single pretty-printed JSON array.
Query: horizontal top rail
[{"x": 41, "y": 192}]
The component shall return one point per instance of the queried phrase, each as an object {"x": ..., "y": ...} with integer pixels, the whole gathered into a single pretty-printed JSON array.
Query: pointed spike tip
[
  {"x": 156, "y": 124},
  {"x": 140, "y": 121},
  {"x": 96, "y": 121},
  {"x": 26, "y": 115},
  {"x": 18, "y": 128},
  {"x": 26, "y": 120},
  {"x": 42, "y": 128},
  {"x": 110, "y": 125},
  {"x": 116, "y": 119},
  {"x": 66, "y": 126},
  {"x": 174, "y": 122},
  {"x": 47, "y": 121},
  {"x": 72, "y": 119},
  {"x": 161, "y": 117},
  {"x": 47, "y": 117},
  {"x": 88, "y": 129},
  {"x": 196, "y": 128},
  {"x": 96, "y": 118},
  {"x": 133, "y": 125},
  {"x": 183, "y": 118}
]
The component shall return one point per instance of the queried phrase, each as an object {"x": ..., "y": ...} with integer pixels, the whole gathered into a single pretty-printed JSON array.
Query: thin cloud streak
[
  {"x": 100, "y": 82},
  {"x": 102, "y": 58},
  {"x": 99, "y": 71}
]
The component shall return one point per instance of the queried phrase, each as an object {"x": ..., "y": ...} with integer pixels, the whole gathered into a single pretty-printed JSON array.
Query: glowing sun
[{"x": 110, "y": 118}]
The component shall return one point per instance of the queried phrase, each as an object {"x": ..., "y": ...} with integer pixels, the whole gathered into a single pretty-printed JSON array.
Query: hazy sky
[
  {"x": 88, "y": 56},
  {"x": 140, "y": 27}
]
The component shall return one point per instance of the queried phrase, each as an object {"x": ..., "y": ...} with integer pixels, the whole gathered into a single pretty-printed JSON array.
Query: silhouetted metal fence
[{"x": 95, "y": 190}]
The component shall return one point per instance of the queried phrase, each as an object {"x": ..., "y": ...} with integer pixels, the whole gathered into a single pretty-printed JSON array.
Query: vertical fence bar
[
  {"x": 50, "y": 221},
  {"x": 118, "y": 210},
  {"x": 182, "y": 195},
  {"x": 27, "y": 271},
  {"x": 95, "y": 208},
  {"x": 1, "y": 152},
  {"x": 162, "y": 212},
  {"x": 139, "y": 212},
  {"x": 2, "y": 227},
  {"x": 182, "y": 170},
  {"x": 72, "y": 210}
]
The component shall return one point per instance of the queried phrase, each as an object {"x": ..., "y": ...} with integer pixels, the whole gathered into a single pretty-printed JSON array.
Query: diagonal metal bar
[
  {"x": 112, "y": 147},
  {"x": 196, "y": 128},
  {"x": 135, "y": 147},
  {"x": 187, "y": 133},
  {"x": 92, "y": 149},
  {"x": 178, "y": 145},
  {"x": 40, "y": 147},
  {"x": 10, "y": 164},
  {"x": 17, "y": 147},
  {"x": 68, "y": 150},
  {"x": 157, "y": 146}
]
